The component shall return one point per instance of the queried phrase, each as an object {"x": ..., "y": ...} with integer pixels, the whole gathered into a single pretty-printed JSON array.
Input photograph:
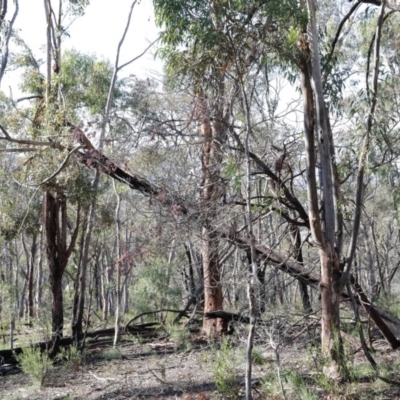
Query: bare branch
[
  {"x": 3, "y": 10},
  {"x": 28, "y": 142},
  {"x": 365, "y": 150},
  {"x": 35, "y": 96},
  {"x": 335, "y": 40},
  {"x": 140, "y": 55},
  {"x": 371, "y": 46},
  {"x": 18, "y": 150},
  {"x": 62, "y": 166},
  {"x": 4, "y": 58}
]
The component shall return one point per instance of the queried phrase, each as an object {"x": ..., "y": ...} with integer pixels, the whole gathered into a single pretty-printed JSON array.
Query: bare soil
[{"x": 158, "y": 370}]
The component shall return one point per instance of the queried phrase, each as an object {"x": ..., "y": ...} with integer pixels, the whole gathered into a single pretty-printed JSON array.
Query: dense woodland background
[{"x": 259, "y": 176}]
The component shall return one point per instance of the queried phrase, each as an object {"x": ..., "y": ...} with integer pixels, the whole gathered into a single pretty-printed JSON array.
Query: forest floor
[{"x": 287, "y": 365}]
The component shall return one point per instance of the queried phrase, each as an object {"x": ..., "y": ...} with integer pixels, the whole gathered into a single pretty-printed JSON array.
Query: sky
[{"x": 97, "y": 32}]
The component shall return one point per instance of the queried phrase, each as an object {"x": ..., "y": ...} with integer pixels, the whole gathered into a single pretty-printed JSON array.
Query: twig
[
  {"x": 155, "y": 376},
  {"x": 304, "y": 329},
  {"x": 339, "y": 30},
  {"x": 4, "y": 58},
  {"x": 275, "y": 347},
  {"x": 28, "y": 142},
  {"x": 138, "y": 56},
  {"x": 101, "y": 379},
  {"x": 62, "y": 166}
]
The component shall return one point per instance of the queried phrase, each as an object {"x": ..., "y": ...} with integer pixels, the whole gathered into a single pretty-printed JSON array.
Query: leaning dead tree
[{"x": 384, "y": 321}]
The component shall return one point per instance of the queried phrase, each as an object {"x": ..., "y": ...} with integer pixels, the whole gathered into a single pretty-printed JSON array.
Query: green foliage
[
  {"x": 24, "y": 218},
  {"x": 257, "y": 356},
  {"x": 201, "y": 42},
  {"x": 300, "y": 387},
  {"x": 234, "y": 174},
  {"x": 35, "y": 364},
  {"x": 155, "y": 288},
  {"x": 77, "y": 7},
  {"x": 71, "y": 357},
  {"x": 361, "y": 372},
  {"x": 292, "y": 381},
  {"x": 389, "y": 302},
  {"x": 85, "y": 81},
  {"x": 113, "y": 353},
  {"x": 180, "y": 335},
  {"x": 223, "y": 363}
]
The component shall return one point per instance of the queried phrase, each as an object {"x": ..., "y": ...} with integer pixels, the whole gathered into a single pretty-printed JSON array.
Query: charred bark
[
  {"x": 58, "y": 253},
  {"x": 298, "y": 255}
]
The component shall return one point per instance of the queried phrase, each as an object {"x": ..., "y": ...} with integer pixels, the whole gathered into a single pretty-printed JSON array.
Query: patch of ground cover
[{"x": 161, "y": 368}]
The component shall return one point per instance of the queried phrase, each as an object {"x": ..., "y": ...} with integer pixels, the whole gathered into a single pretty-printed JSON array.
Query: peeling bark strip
[{"x": 326, "y": 229}]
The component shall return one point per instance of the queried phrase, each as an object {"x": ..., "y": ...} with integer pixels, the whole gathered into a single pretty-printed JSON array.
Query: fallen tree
[
  {"x": 149, "y": 329},
  {"x": 87, "y": 155},
  {"x": 385, "y": 322}
]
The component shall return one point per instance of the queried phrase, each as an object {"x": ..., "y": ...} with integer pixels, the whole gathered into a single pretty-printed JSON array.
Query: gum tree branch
[
  {"x": 4, "y": 57},
  {"x": 363, "y": 157}
]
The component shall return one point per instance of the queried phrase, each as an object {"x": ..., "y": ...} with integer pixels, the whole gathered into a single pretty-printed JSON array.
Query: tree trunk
[
  {"x": 79, "y": 290},
  {"x": 39, "y": 276},
  {"x": 326, "y": 228},
  {"x": 298, "y": 255},
  {"x": 210, "y": 194},
  {"x": 189, "y": 277},
  {"x": 104, "y": 292},
  {"x": 31, "y": 271},
  {"x": 58, "y": 253},
  {"x": 57, "y": 307},
  {"x": 119, "y": 266},
  {"x": 213, "y": 298}
]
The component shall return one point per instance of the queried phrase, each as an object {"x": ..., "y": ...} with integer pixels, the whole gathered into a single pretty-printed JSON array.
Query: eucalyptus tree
[
  {"x": 191, "y": 38},
  {"x": 207, "y": 41},
  {"x": 41, "y": 128}
]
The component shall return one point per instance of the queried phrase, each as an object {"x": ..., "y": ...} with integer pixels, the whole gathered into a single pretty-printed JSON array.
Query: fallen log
[
  {"x": 180, "y": 312},
  {"x": 388, "y": 324},
  {"x": 9, "y": 356},
  {"x": 228, "y": 316}
]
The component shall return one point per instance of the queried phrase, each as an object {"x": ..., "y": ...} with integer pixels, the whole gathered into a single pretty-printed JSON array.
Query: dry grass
[{"x": 159, "y": 369}]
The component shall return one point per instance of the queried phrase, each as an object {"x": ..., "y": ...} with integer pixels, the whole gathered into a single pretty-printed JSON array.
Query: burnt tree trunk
[
  {"x": 58, "y": 253},
  {"x": 298, "y": 255},
  {"x": 77, "y": 309},
  {"x": 30, "y": 305}
]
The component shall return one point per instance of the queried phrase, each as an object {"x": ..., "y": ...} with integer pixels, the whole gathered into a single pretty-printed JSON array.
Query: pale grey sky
[{"x": 97, "y": 32}]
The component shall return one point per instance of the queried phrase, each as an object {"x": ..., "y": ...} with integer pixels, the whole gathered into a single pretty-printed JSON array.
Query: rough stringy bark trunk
[
  {"x": 31, "y": 312},
  {"x": 77, "y": 305},
  {"x": 298, "y": 255},
  {"x": 30, "y": 259},
  {"x": 55, "y": 224},
  {"x": 57, "y": 305},
  {"x": 51, "y": 208},
  {"x": 189, "y": 277},
  {"x": 211, "y": 132},
  {"x": 213, "y": 298}
]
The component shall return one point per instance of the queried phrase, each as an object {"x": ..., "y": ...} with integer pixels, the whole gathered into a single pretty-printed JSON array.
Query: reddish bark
[{"x": 211, "y": 192}]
